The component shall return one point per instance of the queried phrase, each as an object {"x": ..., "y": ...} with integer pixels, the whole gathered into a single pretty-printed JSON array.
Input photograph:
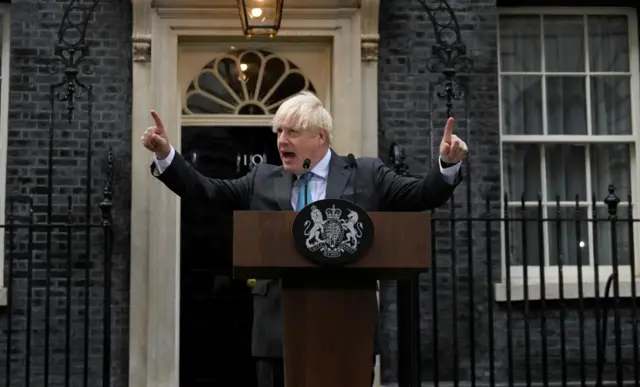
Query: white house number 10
[{"x": 249, "y": 160}]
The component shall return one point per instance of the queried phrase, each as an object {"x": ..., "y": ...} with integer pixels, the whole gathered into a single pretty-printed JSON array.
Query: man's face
[{"x": 296, "y": 145}]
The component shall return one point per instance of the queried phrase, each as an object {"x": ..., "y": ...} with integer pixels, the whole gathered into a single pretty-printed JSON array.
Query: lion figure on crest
[{"x": 317, "y": 226}]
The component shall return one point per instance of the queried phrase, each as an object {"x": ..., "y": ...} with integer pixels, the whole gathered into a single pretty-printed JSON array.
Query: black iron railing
[
  {"x": 532, "y": 303},
  {"x": 54, "y": 260},
  {"x": 59, "y": 237}
]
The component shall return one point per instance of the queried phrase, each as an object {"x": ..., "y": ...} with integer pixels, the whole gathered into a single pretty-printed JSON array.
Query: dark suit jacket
[{"x": 268, "y": 187}]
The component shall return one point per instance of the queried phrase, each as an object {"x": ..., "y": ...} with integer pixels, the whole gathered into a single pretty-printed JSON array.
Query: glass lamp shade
[{"x": 260, "y": 17}]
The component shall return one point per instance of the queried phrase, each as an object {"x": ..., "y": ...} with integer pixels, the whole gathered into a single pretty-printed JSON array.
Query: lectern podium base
[
  {"x": 328, "y": 331},
  {"x": 329, "y": 315}
]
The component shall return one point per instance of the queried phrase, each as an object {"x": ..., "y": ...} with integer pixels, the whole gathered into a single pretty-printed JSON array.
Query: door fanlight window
[{"x": 244, "y": 82}]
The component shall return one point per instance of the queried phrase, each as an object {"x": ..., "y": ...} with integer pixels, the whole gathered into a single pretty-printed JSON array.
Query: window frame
[{"x": 533, "y": 281}]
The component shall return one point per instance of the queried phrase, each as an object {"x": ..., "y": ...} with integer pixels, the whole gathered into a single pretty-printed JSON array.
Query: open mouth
[{"x": 287, "y": 155}]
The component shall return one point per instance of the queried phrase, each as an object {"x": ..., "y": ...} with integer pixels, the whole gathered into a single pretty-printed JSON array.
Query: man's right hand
[{"x": 155, "y": 138}]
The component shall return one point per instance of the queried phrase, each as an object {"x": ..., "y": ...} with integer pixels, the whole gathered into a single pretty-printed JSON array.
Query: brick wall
[
  {"x": 34, "y": 27},
  {"x": 412, "y": 115}
]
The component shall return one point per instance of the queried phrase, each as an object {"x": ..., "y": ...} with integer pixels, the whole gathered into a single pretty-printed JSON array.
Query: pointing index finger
[
  {"x": 157, "y": 119},
  {"x": 448, "y": 130}
]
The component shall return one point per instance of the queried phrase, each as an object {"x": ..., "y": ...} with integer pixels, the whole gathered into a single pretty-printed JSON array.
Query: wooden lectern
[{"x": 329, "y": 313}]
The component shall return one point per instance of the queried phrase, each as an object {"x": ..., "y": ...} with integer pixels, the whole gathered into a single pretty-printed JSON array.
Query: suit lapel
[
  {"x": 338, "y": 177},
  {"x": 282, "y": 187}
]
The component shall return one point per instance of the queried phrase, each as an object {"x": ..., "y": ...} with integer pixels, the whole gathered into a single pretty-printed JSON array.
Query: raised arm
[
  {"x": 402, "y": 193},
  {"x": 185, "y": 181}
]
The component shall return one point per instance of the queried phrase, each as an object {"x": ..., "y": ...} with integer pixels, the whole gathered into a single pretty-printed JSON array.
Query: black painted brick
[
  {"x": 412, "y": 115},
  {"x": 34, "y": 28}
]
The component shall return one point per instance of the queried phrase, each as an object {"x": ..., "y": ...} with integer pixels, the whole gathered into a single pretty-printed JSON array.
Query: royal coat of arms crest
[{"x": 333, "y": 234}]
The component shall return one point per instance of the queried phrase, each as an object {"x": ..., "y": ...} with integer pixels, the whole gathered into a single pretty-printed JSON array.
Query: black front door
[{"x": 216, "y": 311}]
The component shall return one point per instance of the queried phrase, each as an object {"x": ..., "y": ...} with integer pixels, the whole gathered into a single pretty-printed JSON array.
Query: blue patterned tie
[{"x": 302, "y": 191}]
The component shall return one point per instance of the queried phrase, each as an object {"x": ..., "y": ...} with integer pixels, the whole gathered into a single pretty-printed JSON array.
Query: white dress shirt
[{"x": 317, "y": 181}]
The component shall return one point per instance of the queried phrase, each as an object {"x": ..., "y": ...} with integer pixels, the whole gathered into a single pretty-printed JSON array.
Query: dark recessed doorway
[{"x": 216, "y": 311}]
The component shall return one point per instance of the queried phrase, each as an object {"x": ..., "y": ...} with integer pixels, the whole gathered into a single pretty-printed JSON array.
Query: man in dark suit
[{"x": 304, "y": 130}]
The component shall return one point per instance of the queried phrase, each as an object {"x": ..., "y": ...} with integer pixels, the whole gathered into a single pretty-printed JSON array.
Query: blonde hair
[{"x": 304, "y": 111}]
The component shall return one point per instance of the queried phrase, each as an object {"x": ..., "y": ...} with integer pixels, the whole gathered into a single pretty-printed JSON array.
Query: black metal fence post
[
  {"x": 612, "y": 201},
  {"x": 634, "y": 293}
]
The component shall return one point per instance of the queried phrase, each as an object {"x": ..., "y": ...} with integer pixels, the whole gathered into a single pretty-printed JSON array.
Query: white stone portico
[{"x": 160, "y": 30}]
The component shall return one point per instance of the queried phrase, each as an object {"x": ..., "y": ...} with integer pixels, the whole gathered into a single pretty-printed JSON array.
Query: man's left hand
[{"x": 452, "y": 148}]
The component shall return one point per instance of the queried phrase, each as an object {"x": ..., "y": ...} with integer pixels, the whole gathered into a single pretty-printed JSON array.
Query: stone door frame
[{"x": 155, "y": 211}]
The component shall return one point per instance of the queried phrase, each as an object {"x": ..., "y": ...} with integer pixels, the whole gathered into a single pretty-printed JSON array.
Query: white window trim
[
  {"x": 571, "y": 287},
  {"x": 4, "y": 128}
]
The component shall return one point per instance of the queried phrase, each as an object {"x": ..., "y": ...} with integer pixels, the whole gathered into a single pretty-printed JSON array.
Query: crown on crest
[{"x": 333, "y": 212}]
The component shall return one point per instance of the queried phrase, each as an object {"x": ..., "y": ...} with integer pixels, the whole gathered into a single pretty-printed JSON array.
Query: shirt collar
[{"x": 322, "y": 168}]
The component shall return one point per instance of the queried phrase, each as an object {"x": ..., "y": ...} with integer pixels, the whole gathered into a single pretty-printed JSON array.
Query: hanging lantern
[{"x": 260, "y": 17}]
